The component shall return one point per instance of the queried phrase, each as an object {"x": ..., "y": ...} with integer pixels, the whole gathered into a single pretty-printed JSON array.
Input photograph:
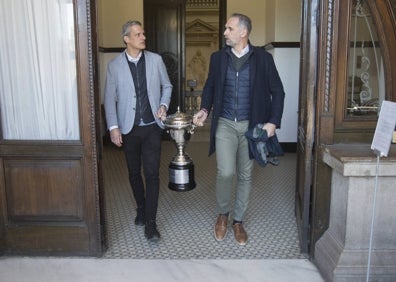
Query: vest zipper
[
  {"x": 236, "y": 96},
  {"x": 138, "y": 96}
]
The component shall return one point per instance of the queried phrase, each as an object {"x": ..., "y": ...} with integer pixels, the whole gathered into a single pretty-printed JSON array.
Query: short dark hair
[
  {"x": 125, "y": 28},
  {"x": 244, "y": 21}
]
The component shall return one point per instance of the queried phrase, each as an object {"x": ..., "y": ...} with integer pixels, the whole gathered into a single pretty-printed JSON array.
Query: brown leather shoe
[
  {"x": 240, "y": 234},
  {"x": 220, "y": 229}
]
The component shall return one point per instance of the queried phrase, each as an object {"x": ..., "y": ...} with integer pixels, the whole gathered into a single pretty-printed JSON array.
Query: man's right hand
[
  {"x": 200, "y": 117},
  {"x": 116, "y": 137}
]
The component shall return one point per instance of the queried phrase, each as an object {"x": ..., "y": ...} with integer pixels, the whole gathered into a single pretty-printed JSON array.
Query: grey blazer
[{"x": 120, "y": 97}]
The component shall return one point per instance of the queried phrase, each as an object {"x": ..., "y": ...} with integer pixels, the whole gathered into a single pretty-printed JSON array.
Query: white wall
[
  {"x": 287, "y": 23},
  {"x": 112, "y": 15},
  {"x": 287, "y": 61},
  {"x": 256, "y": 11},
  {"x": 284, "y": 25},
  {"x": 104, "y": 59}
]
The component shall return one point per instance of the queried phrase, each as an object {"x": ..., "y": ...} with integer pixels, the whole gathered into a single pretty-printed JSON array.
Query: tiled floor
[{"x": 185, "y": 219}]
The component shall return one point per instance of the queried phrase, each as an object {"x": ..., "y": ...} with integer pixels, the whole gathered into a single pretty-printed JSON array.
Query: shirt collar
[
  {"x": 243, "y": 53},
  {"x": 134, "y": 60}
]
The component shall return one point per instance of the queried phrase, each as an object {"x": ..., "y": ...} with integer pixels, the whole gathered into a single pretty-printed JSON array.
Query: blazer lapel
[
  {"x": 125, "y": 70},
  {"x": 253, "y": 66},
  {"x": 223, "y": 69},
  {"x": 149, "y": 69}
]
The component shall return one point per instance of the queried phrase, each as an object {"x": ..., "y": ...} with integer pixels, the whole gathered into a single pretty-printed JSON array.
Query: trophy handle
[{"x": 191, "y": 130}]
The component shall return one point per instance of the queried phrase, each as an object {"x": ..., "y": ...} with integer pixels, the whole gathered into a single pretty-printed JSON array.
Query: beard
[{"x": 229, "y": 42}]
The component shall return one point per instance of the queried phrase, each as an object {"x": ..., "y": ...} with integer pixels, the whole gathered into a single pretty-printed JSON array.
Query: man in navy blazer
[
  {"x": 137, "y": 96},
  {"x": 243, "y": 89}
]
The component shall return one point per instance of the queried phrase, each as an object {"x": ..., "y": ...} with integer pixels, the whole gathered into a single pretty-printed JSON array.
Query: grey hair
[
  {"x": 125, "y": 28},
  {"x": 244, "y": 21}
]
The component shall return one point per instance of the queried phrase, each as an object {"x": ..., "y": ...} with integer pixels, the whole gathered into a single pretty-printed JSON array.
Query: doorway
[
  {"x": 180, "y": 212},
  {"x": 185, "y": 33}
]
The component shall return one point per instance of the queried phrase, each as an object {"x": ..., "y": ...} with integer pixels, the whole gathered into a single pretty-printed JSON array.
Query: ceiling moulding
[{"x": 202, "y": 4}]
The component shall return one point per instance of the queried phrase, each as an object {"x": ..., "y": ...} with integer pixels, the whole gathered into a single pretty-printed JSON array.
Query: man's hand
[
  {"x": 161, "y": 113},
  {"x": 116, "y": 137},
  {"x": 270, "y": 128},
  {"x": 200, "y": 117}
]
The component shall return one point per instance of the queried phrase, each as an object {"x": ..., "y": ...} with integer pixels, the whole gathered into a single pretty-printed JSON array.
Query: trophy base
[{"x": 181, "y": 177}]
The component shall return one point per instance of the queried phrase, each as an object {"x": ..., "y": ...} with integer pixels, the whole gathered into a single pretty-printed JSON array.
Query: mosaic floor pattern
[{"x": 185, "y": 219}]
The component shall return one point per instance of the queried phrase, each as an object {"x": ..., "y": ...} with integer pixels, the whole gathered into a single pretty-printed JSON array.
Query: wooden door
[
  {"x": 49, "y": 189},
  {"x": 332, "y": 124},
  {"x": 164, "y": 24},
  {"x": 306, "y": 119}
]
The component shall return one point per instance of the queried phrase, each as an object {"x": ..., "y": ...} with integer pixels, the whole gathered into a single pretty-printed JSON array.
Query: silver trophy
[{"x": 181, "y": 168}]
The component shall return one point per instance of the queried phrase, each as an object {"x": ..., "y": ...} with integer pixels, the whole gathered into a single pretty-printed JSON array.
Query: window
[
  {"x": 38, "y": 77},
  {"x": 366, "y": 83}
]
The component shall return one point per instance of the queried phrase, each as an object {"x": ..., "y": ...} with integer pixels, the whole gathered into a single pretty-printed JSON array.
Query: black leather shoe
[
  {"x": 151, "y": 232},
  {"x": 140, "y": 217}
]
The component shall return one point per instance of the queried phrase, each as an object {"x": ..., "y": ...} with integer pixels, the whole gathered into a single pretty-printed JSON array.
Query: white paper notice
[{"x": 384, "y": 130}]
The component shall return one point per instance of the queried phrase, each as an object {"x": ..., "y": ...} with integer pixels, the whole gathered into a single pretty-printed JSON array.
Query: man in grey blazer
[{"x": 137, "y": 96}]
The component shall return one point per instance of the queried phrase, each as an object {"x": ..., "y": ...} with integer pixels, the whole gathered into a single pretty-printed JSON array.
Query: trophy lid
[{"x": 178, "y": 120}]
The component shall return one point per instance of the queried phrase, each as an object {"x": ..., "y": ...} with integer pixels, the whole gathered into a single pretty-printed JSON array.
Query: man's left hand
[
  {"x": 161, "y": 113},
  {"x": 270, "y": 128}
]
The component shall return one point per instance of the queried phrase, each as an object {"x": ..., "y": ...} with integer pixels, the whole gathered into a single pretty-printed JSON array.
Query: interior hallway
[{"x": 187, "y": 250}]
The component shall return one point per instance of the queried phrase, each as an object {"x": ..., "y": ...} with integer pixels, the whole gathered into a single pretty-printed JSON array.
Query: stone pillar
[{"x": 341, "y": 254}]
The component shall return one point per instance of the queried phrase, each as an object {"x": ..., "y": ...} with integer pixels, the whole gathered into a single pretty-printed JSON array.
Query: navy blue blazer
[{"x": 266, "y": 90}]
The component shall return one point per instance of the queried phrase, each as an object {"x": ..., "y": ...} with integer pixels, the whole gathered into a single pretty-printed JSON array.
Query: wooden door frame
[
  {"x": 331, "y": 86},
  {"x": 305, "y": 140}
]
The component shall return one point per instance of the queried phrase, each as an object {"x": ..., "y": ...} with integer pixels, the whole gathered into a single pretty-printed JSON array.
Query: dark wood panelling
[
  {"x": 43, "y": 190},
  {"x": 306, "y": 118},
  {"x": 48, "y": 240},
  {"x": 41, "y": 149},
  {"x": 111, "y": 49},
  {"x": 289, "y": 44},
  {"x": 3, "y": 210}
]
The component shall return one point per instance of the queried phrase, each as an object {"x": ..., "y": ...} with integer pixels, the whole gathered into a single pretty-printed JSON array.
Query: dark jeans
[{"x": 142, "y": 146}]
